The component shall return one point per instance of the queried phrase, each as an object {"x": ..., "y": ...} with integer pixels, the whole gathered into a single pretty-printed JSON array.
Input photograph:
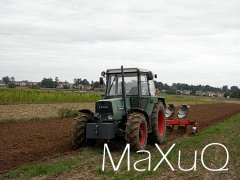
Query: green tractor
[{"x": 130, "y": 109}]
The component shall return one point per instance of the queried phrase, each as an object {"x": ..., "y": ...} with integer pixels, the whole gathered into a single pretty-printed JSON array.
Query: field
[
  {"x": 46, "y": 145},
  {"x": 39, "y": 144},
  {"x": 23, "y": 112},
  {"x": 27, "y": 104},
  {"x": 32, "y": 96}
]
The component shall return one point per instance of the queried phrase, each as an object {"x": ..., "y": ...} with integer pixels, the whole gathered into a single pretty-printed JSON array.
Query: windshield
[{"x": 115, "y": 84}]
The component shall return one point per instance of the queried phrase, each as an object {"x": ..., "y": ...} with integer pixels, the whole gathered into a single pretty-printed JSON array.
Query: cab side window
[
  {"x": 152, "y": 87},
  {"x": 144, "y": 85}
]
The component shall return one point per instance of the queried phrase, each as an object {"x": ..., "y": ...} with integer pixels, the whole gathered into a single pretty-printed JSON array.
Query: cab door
[{"x": 146, "y": 100}]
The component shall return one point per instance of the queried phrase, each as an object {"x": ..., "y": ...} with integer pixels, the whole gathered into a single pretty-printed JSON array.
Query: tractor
[{"x": 130, "y": 109}]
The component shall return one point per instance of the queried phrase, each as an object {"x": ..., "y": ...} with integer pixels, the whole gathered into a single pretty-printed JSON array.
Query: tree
[
  {"x": 234, "y": 88},
  {"x": 95, "y": 84},
  {"x": 48, "y": 83},
  {"x": 77, "y": 81},
  {"x": 56, "y": 79},
  {"x": 12, "y": 79},
  {"x": 85, "y": 82},
  {"x": 6, "y": 80},
  {"x": 225, "y": 88},
  {"x": 159, "y": 85}
]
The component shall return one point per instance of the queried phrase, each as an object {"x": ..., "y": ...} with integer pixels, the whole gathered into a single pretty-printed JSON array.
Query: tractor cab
[
  {"x": 137, "y": 82},
  {"x": 137, "y": 93}
]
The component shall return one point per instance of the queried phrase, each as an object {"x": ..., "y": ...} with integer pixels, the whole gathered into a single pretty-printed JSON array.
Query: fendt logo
[{"x": 102, "y": 107}]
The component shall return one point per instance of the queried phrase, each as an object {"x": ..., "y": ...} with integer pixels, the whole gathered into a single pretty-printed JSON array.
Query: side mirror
[
  {"x": 101, "y": 82},
  {"x": 103, "y": 73},
  {"x": 155, "y": 75},
  {"x": 150, "y": 75}
]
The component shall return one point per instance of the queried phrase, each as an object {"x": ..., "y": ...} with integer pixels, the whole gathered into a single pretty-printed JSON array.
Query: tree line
[
  {"x": 233, "y": 91},
  {"x": 50, "y": 83}
]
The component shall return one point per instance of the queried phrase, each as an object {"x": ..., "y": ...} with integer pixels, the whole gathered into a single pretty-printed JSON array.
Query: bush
[
  {"x": 67, "y": 112},
  {"x": 11, "y": 85},
  {"x": 34, "y": 86}
]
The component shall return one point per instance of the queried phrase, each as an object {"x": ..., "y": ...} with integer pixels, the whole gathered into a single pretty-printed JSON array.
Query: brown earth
[{"x": 30, "y": 141}]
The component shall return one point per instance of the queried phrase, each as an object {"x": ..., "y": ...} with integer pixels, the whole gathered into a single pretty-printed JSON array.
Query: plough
[{"x": 181, "y": 121}]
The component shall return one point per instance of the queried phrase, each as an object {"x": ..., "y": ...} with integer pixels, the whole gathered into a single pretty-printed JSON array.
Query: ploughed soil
[{"x": 35, "y": 140}]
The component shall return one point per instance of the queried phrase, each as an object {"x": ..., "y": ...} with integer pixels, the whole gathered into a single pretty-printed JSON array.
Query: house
[
  {"x": 185, "y": 92},
  {"x": 82, "y": 87},
  {"x": 220, "y": 95},
  {"x": 32, "y": 83},
  {"x": 63, "y": 85},
  {"x": 2, "y": 84},
  {"x": 21, "y": 83},
  {"x": 211, "y": 94}
]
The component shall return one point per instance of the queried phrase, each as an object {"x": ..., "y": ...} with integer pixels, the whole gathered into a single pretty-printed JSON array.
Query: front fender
[{"x": 86, "y": 111}]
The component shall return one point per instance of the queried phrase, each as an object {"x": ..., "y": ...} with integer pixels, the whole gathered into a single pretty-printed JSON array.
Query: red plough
[{"x": 181, "y": 121}]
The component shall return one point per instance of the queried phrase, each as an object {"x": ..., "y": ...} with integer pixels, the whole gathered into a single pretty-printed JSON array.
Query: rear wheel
[
  {"x": 79, "y": 131},
  {"x": 136, "y": 131},
  {"x": 158, "y": 124}
]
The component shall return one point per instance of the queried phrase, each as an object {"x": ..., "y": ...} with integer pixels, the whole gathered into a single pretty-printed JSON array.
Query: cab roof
[{"x": 127, "y": 70}]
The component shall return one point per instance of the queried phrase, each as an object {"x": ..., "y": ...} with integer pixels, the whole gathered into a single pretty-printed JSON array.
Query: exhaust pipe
[{"x": 123, "y": 91}]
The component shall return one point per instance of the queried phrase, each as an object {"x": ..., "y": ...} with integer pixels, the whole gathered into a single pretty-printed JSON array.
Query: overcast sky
[{"x": 194, "y": 42}]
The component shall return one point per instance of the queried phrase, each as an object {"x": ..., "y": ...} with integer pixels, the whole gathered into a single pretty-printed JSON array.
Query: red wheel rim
[
  {"x": 160, "y": 122},
  {"x": 142, "y": 133}
]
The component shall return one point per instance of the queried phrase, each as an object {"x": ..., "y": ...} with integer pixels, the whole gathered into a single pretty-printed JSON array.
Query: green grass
[
  {"x": 15, "y": 96},
  {"x": 187, "y": 98},
  {"x": 11, "y": 96},
  {"x": 55, "y": 167},
  {"x": 67, "y": 112},
  {"x": 226, "y": 133}
]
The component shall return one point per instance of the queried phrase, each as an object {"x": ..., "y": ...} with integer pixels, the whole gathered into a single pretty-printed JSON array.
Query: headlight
[{"x": 110, "y": 117}]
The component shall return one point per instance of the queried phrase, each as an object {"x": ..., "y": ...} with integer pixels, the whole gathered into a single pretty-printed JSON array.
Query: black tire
[
  {"x": 136, "y": 131},
  {"x": 158, "y": 124},
  {"x": 79, "y": 130}
]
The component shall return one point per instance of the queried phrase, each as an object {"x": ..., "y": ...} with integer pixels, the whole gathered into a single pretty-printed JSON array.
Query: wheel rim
[
  {"x": 160, "y": 122},
  {"x": 142, "y": 133}
]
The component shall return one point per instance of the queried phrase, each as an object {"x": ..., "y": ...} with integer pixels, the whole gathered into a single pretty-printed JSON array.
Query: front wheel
[
  {"x": 79, "y": 131},
  {"x": 136, "y": 131},
  {"x": 158, "y": 124}
]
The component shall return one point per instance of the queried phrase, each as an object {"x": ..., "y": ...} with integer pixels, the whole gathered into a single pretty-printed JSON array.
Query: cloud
[{"x": 183, "y": 41}]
